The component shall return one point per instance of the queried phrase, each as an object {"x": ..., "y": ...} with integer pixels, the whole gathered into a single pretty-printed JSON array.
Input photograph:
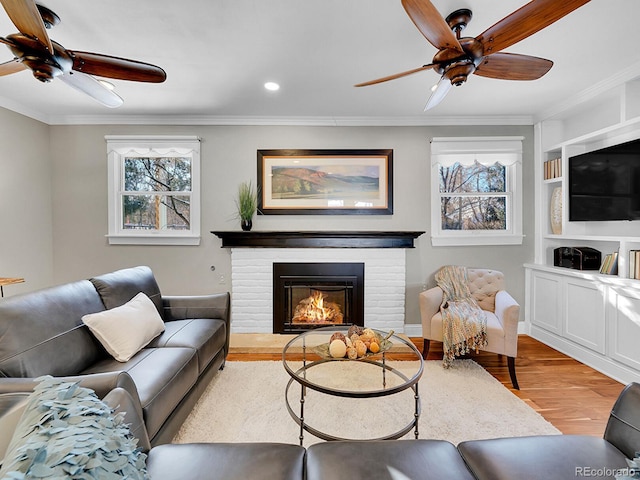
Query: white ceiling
[{"x": 218, "y": 54}]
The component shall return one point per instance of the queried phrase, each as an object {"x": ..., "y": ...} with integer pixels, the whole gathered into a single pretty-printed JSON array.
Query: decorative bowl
[{"x": 385, "y": 344}]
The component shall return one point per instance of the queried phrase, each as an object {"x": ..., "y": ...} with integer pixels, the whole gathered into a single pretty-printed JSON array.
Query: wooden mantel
[{"x": 318, "y": 239}]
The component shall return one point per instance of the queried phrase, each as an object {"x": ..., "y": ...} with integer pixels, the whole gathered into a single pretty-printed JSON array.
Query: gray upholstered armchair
[{"x": 488, "y": 288}]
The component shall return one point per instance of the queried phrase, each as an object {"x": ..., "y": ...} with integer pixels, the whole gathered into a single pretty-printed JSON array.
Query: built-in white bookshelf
[
  {"x": 584, "y": 313},
  {"x": 608, "y": 120}
]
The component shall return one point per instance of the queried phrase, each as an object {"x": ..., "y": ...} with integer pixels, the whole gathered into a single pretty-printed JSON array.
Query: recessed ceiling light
[{"x": 272, "y": 86}]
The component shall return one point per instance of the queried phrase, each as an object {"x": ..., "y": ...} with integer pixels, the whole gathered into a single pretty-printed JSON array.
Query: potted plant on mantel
[{"x": 247, "y": 203}]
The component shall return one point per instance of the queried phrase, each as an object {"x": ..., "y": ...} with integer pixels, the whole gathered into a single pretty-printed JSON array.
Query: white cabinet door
[
  {"x": 546, "y": 311},
  {"x": 624, "y": 325},
  {"x": 585, "y": 313}
]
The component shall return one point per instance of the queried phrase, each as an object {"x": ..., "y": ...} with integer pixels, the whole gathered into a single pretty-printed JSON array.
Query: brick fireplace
[{"x": 253, "y": 255}]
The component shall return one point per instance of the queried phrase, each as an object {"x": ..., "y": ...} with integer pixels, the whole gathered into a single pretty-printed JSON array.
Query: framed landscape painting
[{"x": 325, "y": 182}]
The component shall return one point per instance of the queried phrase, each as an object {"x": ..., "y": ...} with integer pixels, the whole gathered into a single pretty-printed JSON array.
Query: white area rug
[{"x": 246, "y": 403}]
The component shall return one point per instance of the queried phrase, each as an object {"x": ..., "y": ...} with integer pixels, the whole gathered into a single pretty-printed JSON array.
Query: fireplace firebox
[{"x": 312, "y": 295}]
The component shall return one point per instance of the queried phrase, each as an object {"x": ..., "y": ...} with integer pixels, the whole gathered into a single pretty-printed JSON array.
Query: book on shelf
[
  {"x": 634, "y": 264},
  {"x": 552, "y": 168},
  {"x": 613, "y": 270},
  {"x": 610, "y": 264}
]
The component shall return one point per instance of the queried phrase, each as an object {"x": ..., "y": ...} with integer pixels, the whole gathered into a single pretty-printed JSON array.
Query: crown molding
[
  {"x": 628, "y": 74},
  {"x": 290, "y": 121},
  {"x": 14, "y": 106}
]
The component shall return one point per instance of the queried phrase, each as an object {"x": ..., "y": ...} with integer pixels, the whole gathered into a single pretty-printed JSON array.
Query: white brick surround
[{"x": 252, "y": 277}]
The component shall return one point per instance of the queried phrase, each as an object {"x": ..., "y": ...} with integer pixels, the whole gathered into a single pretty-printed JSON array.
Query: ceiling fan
[
  {"x": 458, "y": 57},
  {"x": 33, "y": 49}
]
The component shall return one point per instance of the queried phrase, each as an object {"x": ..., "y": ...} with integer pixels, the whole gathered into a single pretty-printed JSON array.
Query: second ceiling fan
[{"x": 458, "y": 57}]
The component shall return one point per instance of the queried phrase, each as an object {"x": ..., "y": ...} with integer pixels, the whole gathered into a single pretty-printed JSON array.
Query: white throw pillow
[{"x": 123, "y": 331}]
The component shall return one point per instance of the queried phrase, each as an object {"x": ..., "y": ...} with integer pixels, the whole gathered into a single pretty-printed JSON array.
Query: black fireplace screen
[{"x": 311, "y": 295}]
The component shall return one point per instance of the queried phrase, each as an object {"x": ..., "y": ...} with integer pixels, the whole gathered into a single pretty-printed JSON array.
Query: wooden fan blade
[
  {"x": 511, "y": 66},
  {"x": 115, "y": 67},
  {"x": 531, "y": 18},
  {"x": 92, "y": 87},
  {"x": 12, "y": 66},
  {"x": 431, "y": 24},
  {"x": 397, "y": 75},
  {"x": 25, "y": 16},
  {"x": 441, "y": 90}
]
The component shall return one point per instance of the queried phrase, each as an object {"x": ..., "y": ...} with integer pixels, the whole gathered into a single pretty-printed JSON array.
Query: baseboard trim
[{"x": 413, "y": 330}]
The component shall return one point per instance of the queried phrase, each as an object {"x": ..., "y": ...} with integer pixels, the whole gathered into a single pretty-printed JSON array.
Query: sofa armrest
[
  {"x": 430, "y": 301},
  {"x": 120, "y": 400},
  {"x": 184, "y": 307},
  {"x": 198, "y": 306},
  {"x": 623, "y": 427},
  {"x": 508, "y": 313},
  {"x": 101, "y": 383}
]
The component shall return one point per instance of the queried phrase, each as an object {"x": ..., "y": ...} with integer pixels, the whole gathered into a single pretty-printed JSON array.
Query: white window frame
[
  {"x": 446, "y": 151},
  {"x": 121, "y": 146}
]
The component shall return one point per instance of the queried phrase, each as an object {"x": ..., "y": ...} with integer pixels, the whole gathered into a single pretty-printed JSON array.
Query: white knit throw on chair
[{"x": 464, "y": 323}]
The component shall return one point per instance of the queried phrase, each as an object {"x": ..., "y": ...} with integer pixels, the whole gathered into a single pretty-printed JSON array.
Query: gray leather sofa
[
  {"x": 552, "y": 457},
  {"x": 41, "y": 333}
]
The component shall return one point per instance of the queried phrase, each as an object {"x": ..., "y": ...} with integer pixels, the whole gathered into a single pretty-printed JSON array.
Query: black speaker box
[{"x": 579, "y": 258}]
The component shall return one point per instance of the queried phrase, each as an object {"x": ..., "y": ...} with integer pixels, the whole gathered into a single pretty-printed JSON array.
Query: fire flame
[
  {"x": 314, "y": 309},
  {"x": 317, "y": 300}
]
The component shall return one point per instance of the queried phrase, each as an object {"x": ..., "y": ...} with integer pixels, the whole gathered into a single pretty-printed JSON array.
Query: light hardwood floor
[{"x": 575, "y": 398}]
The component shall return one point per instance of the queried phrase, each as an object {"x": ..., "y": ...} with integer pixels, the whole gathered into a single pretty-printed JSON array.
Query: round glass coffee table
[{"x": 388, "y": 373}]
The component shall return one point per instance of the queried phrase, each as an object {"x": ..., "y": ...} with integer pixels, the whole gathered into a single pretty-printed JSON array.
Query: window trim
[
  {"x": 505, "y": 150},
  {"x": 120, "y": 145}
]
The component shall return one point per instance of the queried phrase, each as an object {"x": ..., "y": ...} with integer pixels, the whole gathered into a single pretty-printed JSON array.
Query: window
[
  {"x": 476, "y": 191},
  {"x": 154, "y": 190}
]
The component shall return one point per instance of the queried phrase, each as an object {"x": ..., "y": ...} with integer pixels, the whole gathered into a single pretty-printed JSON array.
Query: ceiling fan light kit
[
  {"x": 458, "y": 57},
  {"x": 34, "y": 50}
]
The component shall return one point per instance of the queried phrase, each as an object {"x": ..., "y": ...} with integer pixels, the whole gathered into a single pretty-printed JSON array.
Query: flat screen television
[{"x": 605, "y": 184}]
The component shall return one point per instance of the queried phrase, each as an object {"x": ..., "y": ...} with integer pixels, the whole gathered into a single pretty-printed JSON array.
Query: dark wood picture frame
[{"x": 325, "y": 182}]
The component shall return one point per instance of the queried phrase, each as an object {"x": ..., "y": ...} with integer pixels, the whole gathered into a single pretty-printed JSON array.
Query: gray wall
[
  {"x": 26, "y": 237},
  {"x": 79, "y": 184}
]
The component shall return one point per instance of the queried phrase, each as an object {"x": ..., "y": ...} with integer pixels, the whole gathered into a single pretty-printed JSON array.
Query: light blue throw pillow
[{"x": 66, "y": 431}]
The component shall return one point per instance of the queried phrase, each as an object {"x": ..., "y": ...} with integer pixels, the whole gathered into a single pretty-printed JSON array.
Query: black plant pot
[{"x": 246, "y": 225}]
